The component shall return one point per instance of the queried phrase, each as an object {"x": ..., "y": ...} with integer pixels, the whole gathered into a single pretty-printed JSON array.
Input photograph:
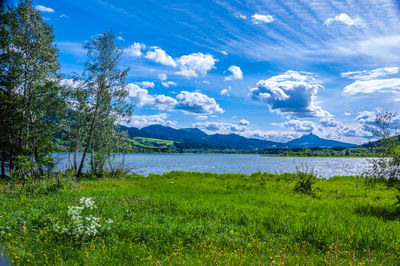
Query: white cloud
[
  {"x": 44, "y": 9},
  {"x": 64, "y": 16},
  {"x": 223, "y": 52},
  {"x": 241, "y": 16},
  {"x": 347, "y": 114},
  {"x": 201, "y": 117},
  {"x": 141, "y": 121},
  {"x": 162, "y": 76},
  {"x": 373, "y": 86},
  {"x": 244, "y": 122},
  {"x": 120, "y": 38},
  {"x": 197, "y": 103},
  {"x": 192, "y": 65},
  {"x": 272, "y": 135},
  {"x": 291, "y": 93},
  {"x": 141, "y": 97},
  {"x": 366, "y": 117},
  {"x": 206, "y": 82},
  {"x": 147, "y": 84},
  {"x": 236, "y": 73},
  {"x": 224, "y": 92},
  {"x": 135, "y": 50},
  {"x": 371, "y": 74},
  {"x": 258, "y": 18},
  {"x": 219, "y": 127},
  {"x": 329, "y": 122},
  {"x": 195, "y": 64},
  {"x": 168, "y": 83},
  {"x": 345, "y": 19},
  {"x": 300, "y": 125},
  {"x": 158, "y": 55}
]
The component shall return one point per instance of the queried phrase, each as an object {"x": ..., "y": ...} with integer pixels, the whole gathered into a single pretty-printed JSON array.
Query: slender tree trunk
[
  {"x": 3, "y": 165},
  {"x": 76, "y": 149},
  {"x": 88, "y": 143}
]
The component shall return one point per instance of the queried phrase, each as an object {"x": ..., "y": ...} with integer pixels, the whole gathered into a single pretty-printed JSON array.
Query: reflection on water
[{"x": 234, "y": 163}]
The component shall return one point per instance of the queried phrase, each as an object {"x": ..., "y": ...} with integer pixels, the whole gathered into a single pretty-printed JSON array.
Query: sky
[{"x": 271, "y": 69}]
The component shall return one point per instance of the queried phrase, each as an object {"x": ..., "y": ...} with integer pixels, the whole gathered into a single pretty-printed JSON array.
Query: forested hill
[{"x": 187, "y": 138}]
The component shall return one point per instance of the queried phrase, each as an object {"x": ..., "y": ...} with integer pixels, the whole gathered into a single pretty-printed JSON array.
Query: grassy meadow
[{"x": 203, "y": 218}]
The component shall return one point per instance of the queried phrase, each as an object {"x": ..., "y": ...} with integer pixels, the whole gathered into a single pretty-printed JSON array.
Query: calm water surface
[{"x": 235, "y": 163}]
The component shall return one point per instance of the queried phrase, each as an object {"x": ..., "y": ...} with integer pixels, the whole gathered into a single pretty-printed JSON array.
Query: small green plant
[
  {"x": 305, "y": 180},
  {"x": 80, "y": 223}
]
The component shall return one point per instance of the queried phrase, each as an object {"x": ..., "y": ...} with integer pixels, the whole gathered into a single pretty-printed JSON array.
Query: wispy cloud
[
  {"x": 44, "y": 9},
  {"x": 371, "y": 74},
  {"x": 373, "y": 86}
]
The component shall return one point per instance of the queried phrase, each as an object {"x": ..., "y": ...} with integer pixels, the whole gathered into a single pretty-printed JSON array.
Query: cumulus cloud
[
  {"x": 192, "y": 65},
  {"x": 141, "y": 97},
  {"x": 244, "y": 122},
  {"x": 236, "y": 73},
  {"x": 345, "y": 19},
  {"x": 300, "y": 125},
  {"x": 195, "y": 64},
  {"x": 197, "y": 103},
  {"x": 371, "y": 74},
  {"x": 366, "y": 117},
  {"x": 147, "y": 84},
  {"x": 158, "y": 55},
  {"x": 219, "y": 127},
  {"x": 224, "y": 92},
  {"x": 347, "y": 114},
  {"x": 373, "y": 86},
  {"x": 162, "y": 76},
  {"x": 259, "y": 18},
  {"x": 44, "y": 9},
  {"x": 292, "y": 94},
  {"x": 141, "y": 121},
  {"x": 135, "y": 50},
  {"x": 271, "y": 135},
  {"x": 329, "y": 122}
]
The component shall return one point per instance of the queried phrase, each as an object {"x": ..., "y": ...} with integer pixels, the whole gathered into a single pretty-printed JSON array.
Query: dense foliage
[{"x": 38, "y": 109}]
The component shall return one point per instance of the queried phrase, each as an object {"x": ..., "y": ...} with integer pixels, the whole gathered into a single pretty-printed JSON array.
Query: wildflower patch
[{"x": 80, "y": 223}]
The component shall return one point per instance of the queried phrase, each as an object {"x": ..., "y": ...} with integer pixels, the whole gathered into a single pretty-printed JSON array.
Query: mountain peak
[{"x": 311, "y": 141}]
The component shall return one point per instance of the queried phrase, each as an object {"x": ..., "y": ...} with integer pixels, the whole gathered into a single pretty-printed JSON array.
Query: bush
[
  {"x": 387, "y": 165},
  {"x": 305, "y": 180},
  {"x": 24, "y": 178}
]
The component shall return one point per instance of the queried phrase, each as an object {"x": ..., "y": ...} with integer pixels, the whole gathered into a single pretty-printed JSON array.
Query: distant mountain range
[{"x": 195, "y": 138}]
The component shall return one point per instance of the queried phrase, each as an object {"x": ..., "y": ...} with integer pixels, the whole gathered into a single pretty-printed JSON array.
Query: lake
[{"x": 145, "y": 164}]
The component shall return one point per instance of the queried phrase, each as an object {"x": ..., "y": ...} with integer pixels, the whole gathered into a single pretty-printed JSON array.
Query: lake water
[{"x": 145, "y": 164}]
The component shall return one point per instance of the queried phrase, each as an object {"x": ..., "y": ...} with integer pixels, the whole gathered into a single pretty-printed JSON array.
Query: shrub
[
  {"x": 387, "y": 165},
  {"x": 305, "y": 180},
  {"x": 24, "y": 178}
]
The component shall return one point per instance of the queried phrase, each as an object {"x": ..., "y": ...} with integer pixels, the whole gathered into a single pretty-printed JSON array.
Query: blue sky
[{"x": 268, "y": 69}]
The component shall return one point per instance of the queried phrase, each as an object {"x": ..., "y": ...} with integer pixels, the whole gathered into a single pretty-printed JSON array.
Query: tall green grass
[{"x": 202, "y": 218}]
